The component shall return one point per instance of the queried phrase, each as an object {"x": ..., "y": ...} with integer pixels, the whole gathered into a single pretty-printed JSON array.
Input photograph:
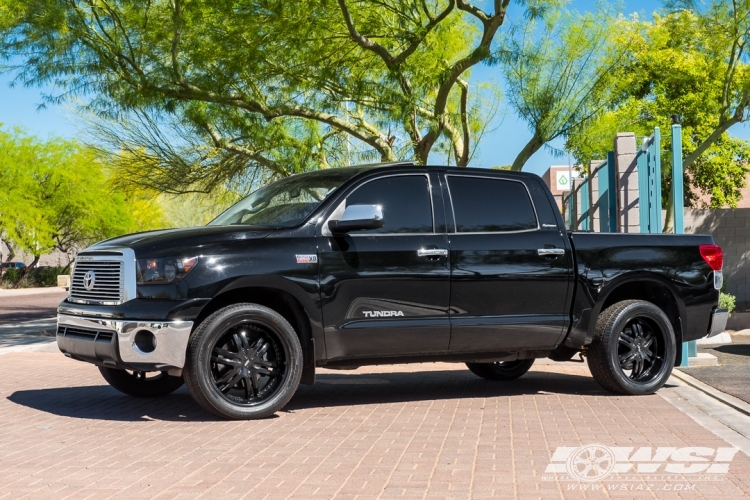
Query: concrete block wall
[
  {"x": 626, "y": 177},
  {"x": 593, "y": 199},
  {"x": 731, "y": 231}
]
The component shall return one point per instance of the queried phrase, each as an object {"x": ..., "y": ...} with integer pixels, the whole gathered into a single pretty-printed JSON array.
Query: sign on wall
[{"x": 562, "y": 180}]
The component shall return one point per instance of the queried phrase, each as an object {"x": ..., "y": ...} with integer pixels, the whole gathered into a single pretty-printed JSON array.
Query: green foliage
[
  {"x": 36, "y": 277},
  {"x": 193, "y": 209},
  {"x": 681, "y": 63},
  {"x": 55, "y": 194},
  {"x": 720, "y": 173},
  {"x": 564, "y": 77},
  {"x": 11, "y": 276},
  {"x": 202, "y": 95},
  {"x": 727, "y": 301}
]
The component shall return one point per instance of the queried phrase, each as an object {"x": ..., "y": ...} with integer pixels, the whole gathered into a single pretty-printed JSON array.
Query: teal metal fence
[
  {"x": 604, "y": 200},
  {"x": 648, "y": 161},
  {"x": 648, "y": 164}
]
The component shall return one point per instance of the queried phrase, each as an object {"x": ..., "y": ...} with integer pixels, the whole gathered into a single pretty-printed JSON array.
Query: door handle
[
  {"x": 432, "y": 252},
  {"x": 551, "y": 252}
]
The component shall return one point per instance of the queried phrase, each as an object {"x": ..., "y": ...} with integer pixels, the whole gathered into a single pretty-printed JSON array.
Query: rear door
[
  {"x": 382, "y": 294},
  {"x": 511, "y": 271}
]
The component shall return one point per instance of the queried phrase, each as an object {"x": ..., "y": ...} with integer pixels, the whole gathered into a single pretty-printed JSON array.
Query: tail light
[{"x": 713, "y": 256}]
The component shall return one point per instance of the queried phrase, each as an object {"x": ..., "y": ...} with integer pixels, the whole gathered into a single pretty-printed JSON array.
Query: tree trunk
[
  {"x": 529, "y": 149},
  {"x": 422, "y": 148},
  {"x": 703, "y": 146},
  {"x": 11, "y": 252},
  {"x": 28, "y": 269}
]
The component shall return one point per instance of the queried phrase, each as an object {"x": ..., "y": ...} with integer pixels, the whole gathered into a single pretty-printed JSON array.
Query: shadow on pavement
[
  {"x": 330, "y": 389},
  {"x": 737, "y": 349},
  {"x": 101, "y": 402}
]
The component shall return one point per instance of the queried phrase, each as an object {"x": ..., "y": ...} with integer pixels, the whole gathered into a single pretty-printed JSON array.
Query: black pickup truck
[{"x": 377, "y": 264}]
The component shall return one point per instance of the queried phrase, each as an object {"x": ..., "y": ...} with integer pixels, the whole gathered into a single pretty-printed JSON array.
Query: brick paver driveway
[{"x": 404, "y": 431}]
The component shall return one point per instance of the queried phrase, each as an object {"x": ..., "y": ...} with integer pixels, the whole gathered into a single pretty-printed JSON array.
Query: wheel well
[
  {"x": 280, "y": 301},
  {"x": 655, "y": 293}
]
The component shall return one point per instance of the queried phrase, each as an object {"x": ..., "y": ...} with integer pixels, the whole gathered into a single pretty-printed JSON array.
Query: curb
[
  {"x": 42, "y": 345},
  {"x": 725, "y": 398},
  {"x": 18, "y": 292}
]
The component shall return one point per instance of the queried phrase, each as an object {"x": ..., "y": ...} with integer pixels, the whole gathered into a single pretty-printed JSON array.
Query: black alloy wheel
[
  {"x": 501, "y": 370},
  {"x": 243, "y": 362},
  {"x": 639, "y": 350},
  {"x": 141, "y": 384},
  {"x": 633, "y": 349},
  {"x": 247, "y": 364}
]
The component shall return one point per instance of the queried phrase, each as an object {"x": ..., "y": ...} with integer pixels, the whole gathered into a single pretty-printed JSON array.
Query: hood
[{"x": 167, "y": 241}]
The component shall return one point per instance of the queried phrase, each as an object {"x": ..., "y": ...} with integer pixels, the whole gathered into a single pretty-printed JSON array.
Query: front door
[
  {"x": 382, "y": 294},
  {"x": 511, "y": 274}
]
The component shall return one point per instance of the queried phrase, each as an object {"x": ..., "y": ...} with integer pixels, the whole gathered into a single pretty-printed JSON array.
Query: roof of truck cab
[{"x": 412, "y": 165}]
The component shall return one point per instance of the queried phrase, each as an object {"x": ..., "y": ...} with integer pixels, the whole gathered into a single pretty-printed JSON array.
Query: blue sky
[{"x": 20, "y": 107}]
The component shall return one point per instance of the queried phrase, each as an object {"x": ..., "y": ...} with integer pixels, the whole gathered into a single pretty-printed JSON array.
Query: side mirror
[{"x": 358, "y": 217}]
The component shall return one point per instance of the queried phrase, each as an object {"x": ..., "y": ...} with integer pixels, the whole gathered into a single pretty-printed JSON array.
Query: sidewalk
[
  {"x": 19, "y": 292},
  {"x": 25, "y": 336},
  {"x": 404, "y": 431},
  {"x": 732, "y": 375}
]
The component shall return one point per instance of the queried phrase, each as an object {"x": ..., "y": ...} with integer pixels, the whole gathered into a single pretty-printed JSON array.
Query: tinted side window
[
  {"x": 490, "y": 205},
  {"x": 405, "y": 200}
]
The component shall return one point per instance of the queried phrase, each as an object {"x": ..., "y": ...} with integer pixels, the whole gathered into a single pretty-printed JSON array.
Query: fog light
[{"x": 144, "y": 342}]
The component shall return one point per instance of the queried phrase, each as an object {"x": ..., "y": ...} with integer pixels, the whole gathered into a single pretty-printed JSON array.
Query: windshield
[{"x": 285, "y": 203}]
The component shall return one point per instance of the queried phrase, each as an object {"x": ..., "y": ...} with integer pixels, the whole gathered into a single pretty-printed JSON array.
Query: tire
[
  {"x": 141, "y": 384},
  {"x": 502, "y": 370},
  {"x": 633, "y": 349},
  {"x": 243, "y": 362}
]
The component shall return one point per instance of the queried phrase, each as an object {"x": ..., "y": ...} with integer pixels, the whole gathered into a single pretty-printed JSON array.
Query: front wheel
[
  {"x": 633, "y": 349},
  {"x": 141, "y": 384},
  {"x": 502, "y": 370},
  {"x": 243, "y": 362}
]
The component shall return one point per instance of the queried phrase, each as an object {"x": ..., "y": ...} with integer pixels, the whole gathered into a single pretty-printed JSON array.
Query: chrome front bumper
[
  {"x": 109, "y": 342},
  {"x": 718, "y": 322}
]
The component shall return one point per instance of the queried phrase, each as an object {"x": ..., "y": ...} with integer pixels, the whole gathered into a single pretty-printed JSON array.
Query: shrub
[
  {"x": 727, "y": 301},
  {"x": 11, "y": 276},
  {"x": 36, "y": 277},
  {"x": 45, "y": 276}
]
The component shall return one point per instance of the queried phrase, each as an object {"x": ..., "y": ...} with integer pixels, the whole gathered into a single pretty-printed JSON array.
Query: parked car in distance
[
  {"x": 399, "y": 263},
  {"x": 10, "y": 265}
]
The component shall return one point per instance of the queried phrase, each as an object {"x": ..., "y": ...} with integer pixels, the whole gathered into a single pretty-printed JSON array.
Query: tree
[
  {"x": 676, "y": 66},
  {"x": 269, "y": 86},
  {"x": 723, "y": 32},
  {"x": 564, "y": 77},
  {"x": 55, "y": 194}
]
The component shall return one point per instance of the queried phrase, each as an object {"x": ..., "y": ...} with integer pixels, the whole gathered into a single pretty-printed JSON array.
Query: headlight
[{"x": 164, "y": 270}]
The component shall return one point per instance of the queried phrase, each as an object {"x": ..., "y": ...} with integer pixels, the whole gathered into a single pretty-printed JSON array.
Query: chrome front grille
[{"x": 106, "y": 287}]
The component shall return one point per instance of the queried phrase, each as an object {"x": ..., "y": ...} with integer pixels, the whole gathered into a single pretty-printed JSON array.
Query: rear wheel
[
  {"x": 633, "y": 349},
  {"x": 141, "y": 384},
  {"x": 502, "y": 370},
  {"x": 244, "y": 362}
]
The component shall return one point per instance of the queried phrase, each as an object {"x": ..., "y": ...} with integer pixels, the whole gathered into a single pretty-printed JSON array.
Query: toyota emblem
[{"x": 89, "y": 279}]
